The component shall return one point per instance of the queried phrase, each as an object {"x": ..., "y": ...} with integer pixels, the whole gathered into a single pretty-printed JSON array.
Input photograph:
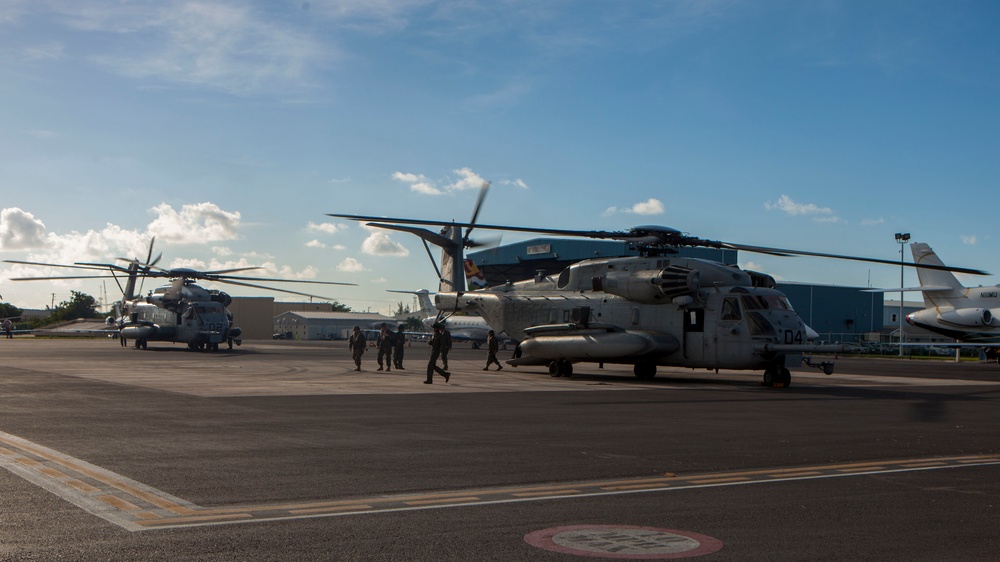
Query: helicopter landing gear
[
  {"x": 140, "y": 344},
  {"x": 645, "y": 370},
  {"x": 775, "y": 376},
  {"x": 561, "y": 368}
]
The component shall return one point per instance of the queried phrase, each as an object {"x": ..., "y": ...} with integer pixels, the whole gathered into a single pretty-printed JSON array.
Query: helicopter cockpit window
[
  {"x": 563, "y": 279},
  {"x": 730, "y": 309}
]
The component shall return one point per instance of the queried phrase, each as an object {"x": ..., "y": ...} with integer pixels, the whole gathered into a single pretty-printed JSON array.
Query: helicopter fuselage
[
  {"x": 647, "y": 311},
  {"x": 181, "y": 312}
]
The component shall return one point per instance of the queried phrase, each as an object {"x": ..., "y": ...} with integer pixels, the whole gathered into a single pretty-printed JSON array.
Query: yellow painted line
[
  {"x": 647, "y": 486},
  {"x": 83, "y": 486},
  {"x": 7, "y": 452},
  {"x": 549, "y": 493},
  {"x": 194, "y": 519},
  {"x": 861, "y": 469},
  {"x": 922, "y": 464},
  {"x": 27, "y": 462},
  {"x": 147, "y": 515},
  {"x": 718, "y": 480},
  {"x": 445, "y": 500},
  {"x": 796, "y": 474},
  {"x": 52, "y": 473},
  {"x": 343, "y": 508},
  {"x": 115, "y": 501}
]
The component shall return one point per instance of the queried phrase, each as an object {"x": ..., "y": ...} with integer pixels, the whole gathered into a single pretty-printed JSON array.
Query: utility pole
[{"x": 902, "y": 238}]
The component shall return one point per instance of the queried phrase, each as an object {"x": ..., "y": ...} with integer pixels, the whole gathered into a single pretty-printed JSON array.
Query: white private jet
[
  {"x": 969, "y": 314},
  {"x": 462, "y": 327}
]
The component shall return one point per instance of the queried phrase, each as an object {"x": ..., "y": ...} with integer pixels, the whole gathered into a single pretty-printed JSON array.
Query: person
[
  {"x": 492, "y": 346},
  {"x": 357, "y": 343},
  {"x": 397, "y": 347},
  {"x": 445, "y": 345},
  {"x": 437, "y": 344},
  {"x": 384, "y": 345},
  {"x": 8, "y": 328}
]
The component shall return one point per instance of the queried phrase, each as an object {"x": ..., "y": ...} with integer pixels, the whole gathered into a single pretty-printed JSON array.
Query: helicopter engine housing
[{"x": 651, "y": 286}]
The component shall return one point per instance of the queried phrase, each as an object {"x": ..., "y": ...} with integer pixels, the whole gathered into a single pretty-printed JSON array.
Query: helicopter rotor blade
[
  {"x": 661, "y": 236},
  {"x": 251, "y": 285}
]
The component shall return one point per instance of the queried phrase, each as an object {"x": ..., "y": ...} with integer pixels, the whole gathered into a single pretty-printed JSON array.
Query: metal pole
[{"x": 902, "y": 238}]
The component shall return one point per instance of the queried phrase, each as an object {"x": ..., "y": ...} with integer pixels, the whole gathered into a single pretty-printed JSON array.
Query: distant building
[{"x": 313, "y": 325}]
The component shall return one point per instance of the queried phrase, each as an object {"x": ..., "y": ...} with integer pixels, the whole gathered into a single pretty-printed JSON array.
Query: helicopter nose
[{"x": 810, "y": 333}]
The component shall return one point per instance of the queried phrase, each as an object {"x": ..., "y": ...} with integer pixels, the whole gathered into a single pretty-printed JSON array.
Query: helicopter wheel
[
  {"x": 560, "y": 368},
  {"x": 774, "y": 376},
  {"x": 644, "y": 371},
  {"x": 785, "y": 377}
]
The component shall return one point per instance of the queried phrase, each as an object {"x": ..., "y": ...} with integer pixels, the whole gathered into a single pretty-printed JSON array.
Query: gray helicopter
[
  {"x": 654, "y": 310},
  {"x": 180, "y": 312}
]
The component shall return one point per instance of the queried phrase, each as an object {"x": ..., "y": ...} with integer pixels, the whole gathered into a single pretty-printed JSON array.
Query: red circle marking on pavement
[{"x": 623, "y": 541}]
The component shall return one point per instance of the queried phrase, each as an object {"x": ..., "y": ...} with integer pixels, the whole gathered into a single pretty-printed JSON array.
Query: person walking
[
  {"x": 492, "y": 346},
  {"x": 384, "y": 344},
  {"x": 357, "y": 343},
  {"x": 437, "y": 344},
  {"x": 398, "y": 346},
  {"x": 445, "y": 345}
]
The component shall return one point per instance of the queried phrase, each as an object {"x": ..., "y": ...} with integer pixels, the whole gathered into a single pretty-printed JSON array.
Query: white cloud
[
  {"x": 969, "y": 239},
  {"x": 648, "y": 207},
  {"x": 197, "y": 223},
  {"x": 315, "y": 244},
  {"x": 418, "y": 183},
  {"x": 786, "y": 205},
  {"x": 379, "y": 243},
  {"x": 227, "y": 46},
  {"x": 351, "y": 265},
  {"x": 758, "y": 268},
  {"x": 468, "y": 180},
  {"x": 20, "y": 230},
  {"x": 873, "y": 222},
  {"x": 325, "y": 227},
  {"x": 422, "y": 184}
]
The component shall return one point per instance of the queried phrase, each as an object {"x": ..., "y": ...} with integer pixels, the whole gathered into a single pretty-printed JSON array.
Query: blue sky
[{"x": 228, "y": 129}]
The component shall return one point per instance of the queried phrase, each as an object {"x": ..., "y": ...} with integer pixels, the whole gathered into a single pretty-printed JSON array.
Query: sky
[{"x": 229, "y": 129}]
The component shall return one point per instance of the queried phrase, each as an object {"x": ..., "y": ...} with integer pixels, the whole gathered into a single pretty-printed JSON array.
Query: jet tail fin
[{"x": 939, "y": 286}]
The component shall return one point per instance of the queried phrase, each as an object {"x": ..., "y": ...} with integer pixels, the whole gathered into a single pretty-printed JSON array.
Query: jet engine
[
  {"x": 971, "y": 317},
  {"x": 650, "y": 286}
]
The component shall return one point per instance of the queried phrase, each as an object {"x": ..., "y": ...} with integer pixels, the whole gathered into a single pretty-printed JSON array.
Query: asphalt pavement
[{"x": 278, "y": 450}]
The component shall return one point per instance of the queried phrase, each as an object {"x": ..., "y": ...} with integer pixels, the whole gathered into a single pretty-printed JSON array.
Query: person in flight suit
[
  {"x": 492, "y": 347},
  {"x": 437, "y": 344},
  {"x": 384, "y": 344},
  {"x": 357, "y": 343},
  {"x": 398, "y": 347}
]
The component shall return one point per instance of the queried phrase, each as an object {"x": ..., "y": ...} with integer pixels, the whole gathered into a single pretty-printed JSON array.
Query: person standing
[
  {"x": 384, "y": 344},
  {"x": 8, "y": 328},
  {"x": 397, "y": 347},
  {"x": 437, "y": 344},
  {"x": 357, "y": 343},
  {"x": 492, "y": 346}
]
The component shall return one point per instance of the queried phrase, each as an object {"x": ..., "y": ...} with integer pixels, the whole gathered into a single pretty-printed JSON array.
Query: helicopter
[
  {"x": 180, "y": 312},
  {"x": 654, "y": 310}
]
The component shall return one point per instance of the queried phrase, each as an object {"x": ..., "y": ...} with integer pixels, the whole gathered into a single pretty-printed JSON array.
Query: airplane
[
  {"x": 657, "y": 309},
  {"x": 463, "y": 327},
  {"x": 180, "y": 312},
  {"x": 970, "y": 315}
]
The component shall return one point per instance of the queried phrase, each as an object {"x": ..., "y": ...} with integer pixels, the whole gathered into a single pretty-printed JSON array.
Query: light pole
[{"x": 902, "y": 238}]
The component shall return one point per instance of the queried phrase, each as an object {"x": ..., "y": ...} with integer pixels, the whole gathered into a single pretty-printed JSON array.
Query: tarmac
[{"x": 279, "y": 450}]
